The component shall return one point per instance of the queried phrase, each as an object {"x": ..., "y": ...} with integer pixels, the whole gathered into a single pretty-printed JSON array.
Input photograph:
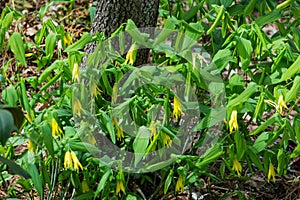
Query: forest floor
[{"x": 76, "y": 21}]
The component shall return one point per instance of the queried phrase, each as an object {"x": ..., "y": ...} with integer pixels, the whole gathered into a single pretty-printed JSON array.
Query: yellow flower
[
  {"x": 114, "y": 93},
  {"x": 120, "y": 185},
  {"x": 233, "y": 124},
  {"x": 131, "y": 54},
  {"x": 237, "y": 166},
  {"x": 179, "y": 185},
  {"x": 91, "y": 139},
  {"x": 167, "y": 140},
  {"x": 95, "y": 90},
  {"x": 71, "y": 161},
  {"x": 77, "y": 108},
  {"x": 152, "y": 129},
  {"x": 68, "y": 39},
  {"x": 280, "y": 105},
  {"x": 76, "y": 163},
  {"x": 30, "y": 146},
  {"x": 76, "y": 73},
  {"x": 120, "y": 133},
  {"x": 56, "y": 131},
  {"x": 28, "y": 117},
  {"x": 68, "y": 160},
  {"x": 85, "y": 187},
  {"x": 271, "y": 173},
  {"x": 114, "y": 121},
  {"x": 177, "y": 108}
]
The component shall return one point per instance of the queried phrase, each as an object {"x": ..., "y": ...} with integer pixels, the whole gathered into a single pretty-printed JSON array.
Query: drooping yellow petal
[
  {"x": 68, "y": 160},
  {"x": 67, "y": 39},
  {"x": 30, "y": 146},
  {"x": 152, "y": 129},
  {"x": 177, "y": 111},
  {"x": 131, "y": 54},
  {"x": 95, "y": 91},
  {"x": 233, "y": 124},
  {"x": 237, "y": 166},
  {"x": 91, "y": 139},
  {"x": 114, "y": 93},
  {"x": 271, "y": 173},
  {"x": 280, "y": 105},
  {"x": 76, "y": 73},
  {"x": 56, "y": 131},
  {"x": 167, "y": 140},
  {"x": 120, "y": 133},
  {"x": 179, "y": 185},
  {"x": 77, "y": 108},
  {"x": 76, "y": 163},
  {"x": 120, "y": 185},
  {"x": 28, "y": 117}
]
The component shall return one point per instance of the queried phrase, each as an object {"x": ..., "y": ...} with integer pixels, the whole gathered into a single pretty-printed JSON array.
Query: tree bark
[{"x": 110, "y": 14}]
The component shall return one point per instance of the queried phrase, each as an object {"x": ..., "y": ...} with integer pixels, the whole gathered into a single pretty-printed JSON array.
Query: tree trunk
[{"x": 110, "y": 14}]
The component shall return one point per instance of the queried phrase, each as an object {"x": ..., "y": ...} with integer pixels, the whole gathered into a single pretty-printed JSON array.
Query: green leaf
[
  {"x": 134, "y": 32},
  {"x": 45, "y": 173},
  {"x": 282, "y": 162},
  {"x": 56, "y": 64},
  {"x": 244, "y": 96},
  {"x": 296, "y": 152},
  {"x": 86, "y": 38},
  {"x": 249, "y": 9},
  {"x": 40, "y": 34},
  {"x": 168, "y": 181},
  {"x": 131, "y": 197},
  {"x": 102, "y": 182},
  {"x": 88, "y": 195},
  {"x": 140, "y": 144},
  {"x": 17, "y": 47},
  {"x": 36, "y": 179},
  {"x": 47, "y": 138},
  {"x": 7, "y": 21},
  {"x": 92, "y": 13},
  {"x": 277, "y": 60},
  {"x": 109, "y": 126},
  {"x": 267, "y": 19},
  {"x": 240, "y": 145},
  {"x": 237, "y": 83},
  {"x": 210, "y": 156},
  {"x": 2, "y": 37},
  {"x": 254, "y": 157},
  {"x": 296, "y": 126},
  {"x": 169, "y": 27},
  {"x": 24, "y": 99},
  {"x": 50, "y": 45},
  {"x": 6, "y": 125},
  {"x": 292, "y": 70},
  {"x": 261, "y": 142},
  {"x": 222, "y": 58},
  {"x": 263, "y": 126},
  {"x": 244, "y": 48},
  {"x": 294, "y": 91},
  {"x": 220, "y": 12},
  {"x": 15, "y": 168},
  {"x": 191, "y": 12},
  {"x": 10, "y": 95}
]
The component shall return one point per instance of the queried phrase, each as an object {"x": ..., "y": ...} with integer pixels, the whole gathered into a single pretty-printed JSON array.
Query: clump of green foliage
[{"x": 260, "y": 73}]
